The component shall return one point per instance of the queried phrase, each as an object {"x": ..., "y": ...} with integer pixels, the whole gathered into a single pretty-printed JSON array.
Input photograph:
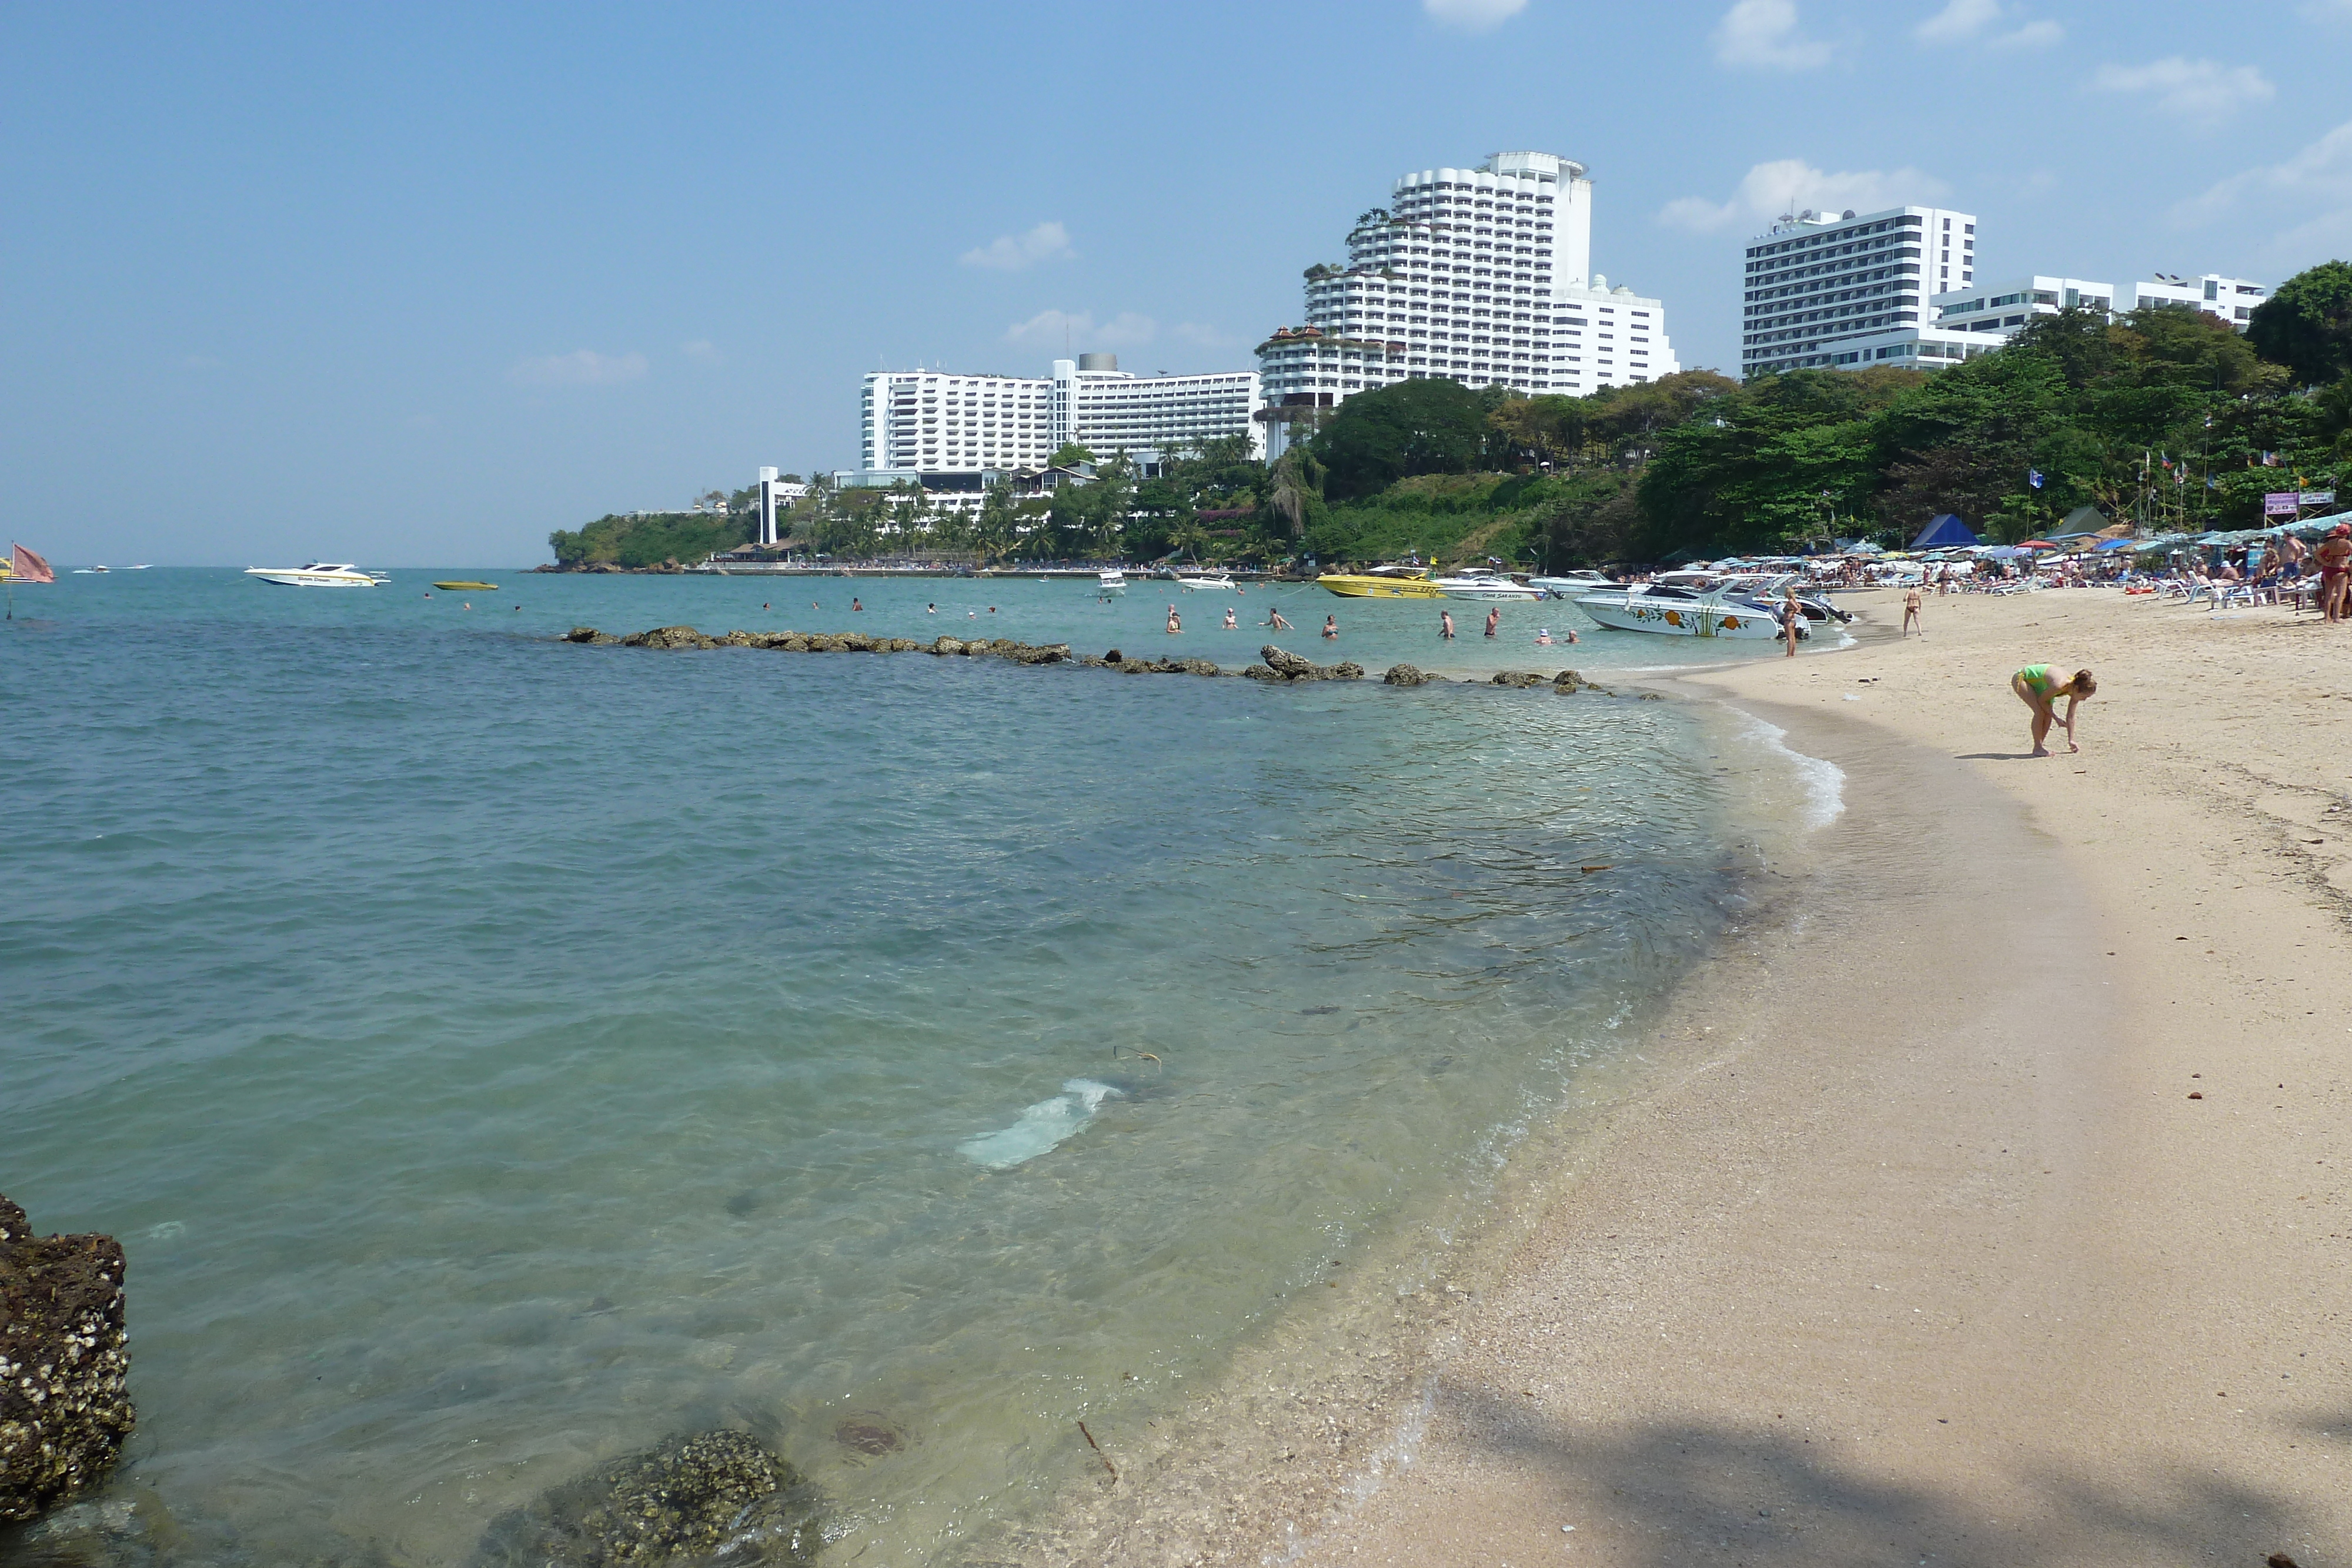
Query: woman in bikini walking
[{"x": 2039, "y": 687}]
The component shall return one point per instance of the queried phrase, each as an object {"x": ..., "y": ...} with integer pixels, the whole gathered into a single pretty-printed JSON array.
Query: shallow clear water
[{"x": 498, "y": 1054}]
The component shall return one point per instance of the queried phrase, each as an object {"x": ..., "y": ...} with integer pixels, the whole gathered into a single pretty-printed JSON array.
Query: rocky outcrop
[
  {"x": 1518, "y": 678},
  {"x": 64, "y": 1410},
  {"x": 714, "y": 1497},
  {"x": 589, "y": 634},
  {"x": 1403, "y": 675},
  {"x": 1281, "y": 666},
  {"x": 669, "y": 637},
  {"x": 1111, "y": 661}
]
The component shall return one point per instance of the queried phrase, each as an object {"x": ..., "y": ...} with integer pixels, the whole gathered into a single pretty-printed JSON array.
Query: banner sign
[
  {"x": 2280, "y": 503},
  {"x": 2317, "y": 497}
]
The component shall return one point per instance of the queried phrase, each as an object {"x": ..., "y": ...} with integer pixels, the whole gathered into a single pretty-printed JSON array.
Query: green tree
[
  {"x": 1410, "y": 427},
  {"x": 1294, "y": 488},
  {"x": 1069, "y": 455},
  {"x": 2306, "y": 324}
]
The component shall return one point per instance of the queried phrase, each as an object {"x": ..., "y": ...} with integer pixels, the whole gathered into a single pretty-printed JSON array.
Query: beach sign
[{"x": 2280, "y": 503}]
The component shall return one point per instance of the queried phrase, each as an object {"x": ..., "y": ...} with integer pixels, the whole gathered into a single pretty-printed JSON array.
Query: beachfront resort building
[
  {"x": 1842, "y": 290},
  {"x": 925, "y": 423},
  {"x": 2231, "y": 299},
  {"x": 1483, "y": 276}
]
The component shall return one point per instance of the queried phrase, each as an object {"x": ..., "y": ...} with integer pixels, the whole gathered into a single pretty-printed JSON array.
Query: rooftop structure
[{"x": 2231, "y": 299}]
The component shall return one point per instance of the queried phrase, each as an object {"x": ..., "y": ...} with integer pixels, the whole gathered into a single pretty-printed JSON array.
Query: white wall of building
[
  {"x": 2231, "y": 299},
  {"x": 1833, "y": 291},
  {"x": 1482, "y": 276},
  {"x": 929, "y": 422}
]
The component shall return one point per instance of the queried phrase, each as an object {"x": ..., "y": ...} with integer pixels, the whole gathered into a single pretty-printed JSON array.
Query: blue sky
[{"x": 414, "y": 285}]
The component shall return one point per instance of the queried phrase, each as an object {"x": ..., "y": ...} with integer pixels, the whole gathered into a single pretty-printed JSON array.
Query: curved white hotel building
[
  {"x": 931, "y": 423},
  {"x": 1480, "y": 275}
]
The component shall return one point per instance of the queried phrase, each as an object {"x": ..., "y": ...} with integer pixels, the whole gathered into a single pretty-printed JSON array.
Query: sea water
[{"x": 497, "y": 1055}]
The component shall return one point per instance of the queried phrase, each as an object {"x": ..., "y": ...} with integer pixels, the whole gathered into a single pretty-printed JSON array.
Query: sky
[{"x": 414, "y": 285}]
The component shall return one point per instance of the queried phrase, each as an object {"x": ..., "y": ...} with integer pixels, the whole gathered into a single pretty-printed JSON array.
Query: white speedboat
[
  {"x": 1216, "y": 582},
  {"x": 1675, "y": 610},
  {"x": 1574, "y": 582},
  {"x": 1111, "y": 584},
  {"x": 1479, "y": 582},
  {"x": 318, "y": 574}
]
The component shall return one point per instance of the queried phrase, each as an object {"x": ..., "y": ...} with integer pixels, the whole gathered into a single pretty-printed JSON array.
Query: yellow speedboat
[
  {"x": 1383, "y": 582},
  {"x": 463, "y": 587}
]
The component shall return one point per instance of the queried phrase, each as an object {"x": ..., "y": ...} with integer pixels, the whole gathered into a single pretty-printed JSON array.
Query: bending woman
[{"x": 2039, "y": 688}]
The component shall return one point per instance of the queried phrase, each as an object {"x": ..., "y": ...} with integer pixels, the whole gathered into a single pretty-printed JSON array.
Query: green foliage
[
  {"x": 1069, "y": 455},
  {"x": 2307, "y": 325},
  {"x": 651, "y": 539},
  {"x": 1394, "y": 432}
]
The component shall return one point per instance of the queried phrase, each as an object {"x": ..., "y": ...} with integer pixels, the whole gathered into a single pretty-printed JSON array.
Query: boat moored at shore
[
  {"x": 1383, "y": 582},
  {"x": 1731, "y": 609}
]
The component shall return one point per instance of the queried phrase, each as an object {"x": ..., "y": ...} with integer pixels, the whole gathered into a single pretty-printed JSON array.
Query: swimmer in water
[
  {"x": 1230, "y": 624},
  {"x": 856, "y": 607},
  {"x": 1445, "y": 624},
  {"x": 1330, "y": 626},
  {"x": 931, "y": 610},
  {"x": 1274, "y": 618},
  {"x": 1175, "y": 622},
  {"x": 1494, "y": 621},
  {"x": 1543, "y": 636}
]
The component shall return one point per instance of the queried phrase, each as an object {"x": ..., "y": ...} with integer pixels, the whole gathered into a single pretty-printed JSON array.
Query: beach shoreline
[{"x": 1912, "y": 1237}]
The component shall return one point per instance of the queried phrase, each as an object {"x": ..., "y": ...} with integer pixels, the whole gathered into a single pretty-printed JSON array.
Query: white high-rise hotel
[
  {"x": 1480, "y": 275},
  {"x": 930, "y": 423}
]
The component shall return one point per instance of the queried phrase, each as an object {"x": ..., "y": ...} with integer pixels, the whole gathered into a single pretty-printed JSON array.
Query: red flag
[{"x": 29, "y": 567}]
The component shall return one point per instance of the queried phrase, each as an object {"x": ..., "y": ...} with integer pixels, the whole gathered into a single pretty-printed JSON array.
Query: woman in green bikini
[{"x": 2039, "y": 687}]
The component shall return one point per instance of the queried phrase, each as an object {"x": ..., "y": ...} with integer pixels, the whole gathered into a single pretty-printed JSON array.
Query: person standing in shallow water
[
  {"x": 1175, "y": 622},
  {"x": 2039, "y": 688},
  {"x": 854, "y": 607},
  {"x": 1230, "y": 624},
  {"x": 1330, "y": 625},
  {"x": 1494, "y": 621},
  {"x": 1445, "y": 624}
]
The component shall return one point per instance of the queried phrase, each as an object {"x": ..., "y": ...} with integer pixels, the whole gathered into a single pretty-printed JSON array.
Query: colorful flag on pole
[
  {"x": 2033, "y": 478},
  {"x": 29, "y": 567}
]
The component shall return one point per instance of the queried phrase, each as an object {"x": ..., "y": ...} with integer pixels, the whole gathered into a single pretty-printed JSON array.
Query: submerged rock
[
  {"x": 1347, "y": 670},
  {"x": 589, "y": 634},
  {"x": 1518, "y": 678},
  {"x": 1403, "y": 675},
  {"x": 64, "y": 1412},
  {"x": 1288, "y": 665},
  {"x": 714, "y": 1497}
]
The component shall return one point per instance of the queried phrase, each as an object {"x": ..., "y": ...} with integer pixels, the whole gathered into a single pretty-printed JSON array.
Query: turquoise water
[{"x": 498, "y": 1054}]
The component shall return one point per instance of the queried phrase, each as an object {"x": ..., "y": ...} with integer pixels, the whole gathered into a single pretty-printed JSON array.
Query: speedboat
[
  {"x": 1574, "y": 582},
  {"x": 1108, "y": 583},
  {"x": 456, "y": 586},
  {"x": 1675, "y": 610},
  {"x": 1383, "y": 582},
  {"x": 1479, "y": 582},
  {"x": 1219, "y": 582},
  {"x": 318, "y": 574}
]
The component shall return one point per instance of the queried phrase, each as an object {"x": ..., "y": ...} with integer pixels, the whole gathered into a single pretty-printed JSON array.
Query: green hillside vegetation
[
  {"x": 2165, "y": 417},
  {"x": 651, "y": 539}
]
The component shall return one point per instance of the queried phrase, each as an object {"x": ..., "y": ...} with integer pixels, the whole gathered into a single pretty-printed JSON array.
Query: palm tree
[{"x": 1297, "y": 483}]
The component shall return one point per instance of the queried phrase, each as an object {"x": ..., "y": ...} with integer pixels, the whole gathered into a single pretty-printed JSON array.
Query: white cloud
[
  {"x": 2032, "y": 36},
  {"x": 580, "y": 367},
  {"x": 1078, "y": 332},
  {"x": 1791, "y": 185},
  {"x": 702, "y": 351},
  {"x": 1976, "y": 21},
  {"x": 1010, "y": 253},
  {"x": 1958, "y": 22},
  {"x": 1763, "y": 33},
  {"x": 1474, "y": 16},
  {"x": 2316, "y": 184},
  {"x": 2203, "y": 90}
]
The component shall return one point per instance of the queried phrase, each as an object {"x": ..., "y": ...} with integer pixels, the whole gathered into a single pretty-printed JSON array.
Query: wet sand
[{"x": 1914, "y": 1246}]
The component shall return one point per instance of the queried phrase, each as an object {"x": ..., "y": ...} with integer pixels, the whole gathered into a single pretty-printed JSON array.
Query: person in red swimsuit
[{"x": 2335, "y": 558}]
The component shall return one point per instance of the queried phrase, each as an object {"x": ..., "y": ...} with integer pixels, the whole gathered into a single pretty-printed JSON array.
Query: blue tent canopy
[{"x": 1944, "y": 531}]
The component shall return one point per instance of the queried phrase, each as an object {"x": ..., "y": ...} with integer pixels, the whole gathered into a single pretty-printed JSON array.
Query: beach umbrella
[
  {"x": 2037, "y": 543},
  {"x": 2115, "y": 544}
]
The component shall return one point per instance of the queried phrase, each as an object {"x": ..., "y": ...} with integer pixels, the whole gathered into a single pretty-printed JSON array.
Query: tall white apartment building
[
  {"x": 2231, "y": 299},
  {"x": 1825, "y": 291},
  {"x": 1483, "y": 276},
  {"x": 931, "y": 423},
  {"x": 1997, "y": 311}
]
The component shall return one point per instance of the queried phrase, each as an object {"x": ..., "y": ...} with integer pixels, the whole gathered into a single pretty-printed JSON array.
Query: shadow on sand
[{"x": 1767, "y": 1498}]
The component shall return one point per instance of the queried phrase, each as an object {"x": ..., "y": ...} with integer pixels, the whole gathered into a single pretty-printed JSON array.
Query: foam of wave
[
  {"x": 1822, "y": 781},
  {"x": 1042, "y": 1127}
]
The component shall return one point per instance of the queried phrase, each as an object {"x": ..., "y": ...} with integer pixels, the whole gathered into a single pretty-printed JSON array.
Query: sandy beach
[{"x": 1985, "y": 1202}]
